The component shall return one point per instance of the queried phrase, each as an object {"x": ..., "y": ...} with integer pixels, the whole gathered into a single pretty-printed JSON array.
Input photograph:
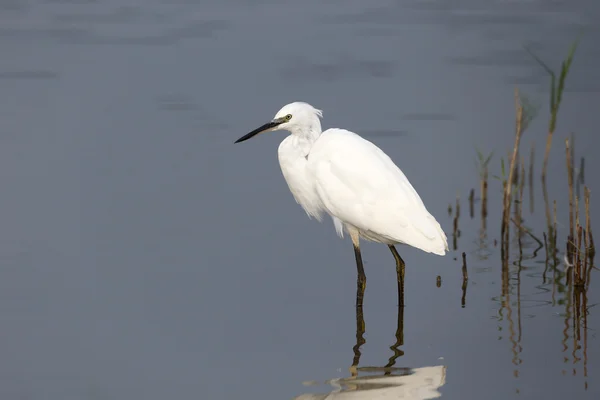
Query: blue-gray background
[{"x": 143, "y": 255}]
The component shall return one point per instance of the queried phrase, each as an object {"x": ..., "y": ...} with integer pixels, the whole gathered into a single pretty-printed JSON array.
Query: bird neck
[
  {"x": 305, "y": 136},
  {"x": 308, "y": 133}
]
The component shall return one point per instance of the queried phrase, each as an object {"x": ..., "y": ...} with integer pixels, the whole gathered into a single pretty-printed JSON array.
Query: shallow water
[{"x": 143, "y": 255}]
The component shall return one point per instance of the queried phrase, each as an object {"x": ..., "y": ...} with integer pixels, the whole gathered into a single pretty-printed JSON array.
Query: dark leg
[
  {"x": 400, "y": 274},
  {"x": 361, "y": 282}
]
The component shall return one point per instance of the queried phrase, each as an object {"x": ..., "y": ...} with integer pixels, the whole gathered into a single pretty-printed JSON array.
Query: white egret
[{"x": 339, "y": 173}]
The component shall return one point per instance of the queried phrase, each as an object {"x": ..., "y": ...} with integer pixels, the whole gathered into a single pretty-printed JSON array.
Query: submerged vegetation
[{"x": 573, "y": 279}]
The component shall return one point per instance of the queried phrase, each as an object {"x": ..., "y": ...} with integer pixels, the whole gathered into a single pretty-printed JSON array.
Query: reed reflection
[
  {"x": 455, "y": 230},
  {"x": 465, "y": 280},
  {"x": 566, "y": 271}
]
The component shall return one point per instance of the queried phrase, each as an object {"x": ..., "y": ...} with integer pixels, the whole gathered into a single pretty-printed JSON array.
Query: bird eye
[{"x": 288, "y": 117}]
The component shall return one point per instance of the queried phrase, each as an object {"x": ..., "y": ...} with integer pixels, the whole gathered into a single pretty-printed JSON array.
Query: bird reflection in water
[{"x": 387, "y": 382}]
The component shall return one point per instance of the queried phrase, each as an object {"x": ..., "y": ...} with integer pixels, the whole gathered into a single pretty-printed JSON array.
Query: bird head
[{"x": 292, "y": 117}]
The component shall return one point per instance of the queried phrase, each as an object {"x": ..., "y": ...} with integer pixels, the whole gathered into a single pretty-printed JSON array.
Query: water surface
[{"x": 143, "y": 255}]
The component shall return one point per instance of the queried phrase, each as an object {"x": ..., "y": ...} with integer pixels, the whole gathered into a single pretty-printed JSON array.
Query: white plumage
[
  {"x": 354, "y": 181},
  {"x": 339, "y": 173}
]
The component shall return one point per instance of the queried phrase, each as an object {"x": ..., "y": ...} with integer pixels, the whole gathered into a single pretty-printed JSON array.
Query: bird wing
[{"x": 359, "y": 184}]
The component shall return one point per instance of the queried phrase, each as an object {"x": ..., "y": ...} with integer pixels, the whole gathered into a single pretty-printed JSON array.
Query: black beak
[{"x": 268, "y": 125}]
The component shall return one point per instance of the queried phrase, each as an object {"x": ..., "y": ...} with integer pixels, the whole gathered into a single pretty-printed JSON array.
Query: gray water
[{"x": 143, "y": 255}]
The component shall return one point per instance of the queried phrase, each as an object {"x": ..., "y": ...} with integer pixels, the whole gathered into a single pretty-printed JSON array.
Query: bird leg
[
  {"x": 400, "y": 274},
  {"x": 361, "y": 282}
]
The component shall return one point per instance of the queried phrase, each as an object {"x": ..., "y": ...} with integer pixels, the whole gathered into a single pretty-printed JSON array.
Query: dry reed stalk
[
  {"x": 504, "y": 228},
  {"x": 578, "y": 277},
  {"x": 471, "y": 201},
  {"x": 589, "y": 241},
  {"x": 511, "y": 171},
  {"x": 517, "y": 173},
  {"x": 588, "y": 221},
  {"x": 519, "y": 209},
  {"x": 577, "y": 224},
  {"x": 484, "y": 187},
  {"x": 548, "y": 212},
  {"x": 546, "y": 262},
  {"x": 516, "y": 202},
  {"x": 531, "y": 158},
  {"x": 521, "y": 190},
  {"x": 465, "y": 275},
  {"x": 586, "y": 198},
  {"x": 570, "y": 179},
  {"x": 585, "y": 256},
  {"x": 555, "y": 235},
  {"x": 573, "y": 178},
  {"x": 585, "y": 337}
]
